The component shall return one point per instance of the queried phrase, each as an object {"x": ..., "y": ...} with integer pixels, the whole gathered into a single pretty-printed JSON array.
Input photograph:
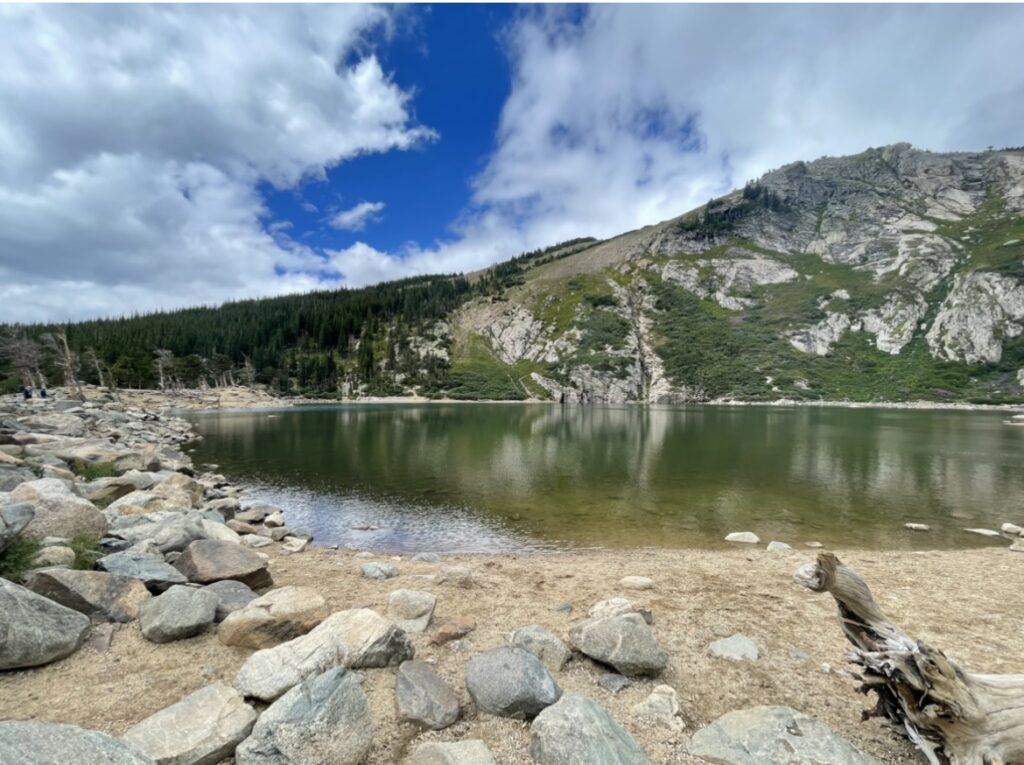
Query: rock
[
  {"x": 616, "y": 607},
  {"x": 240, "y": 527},
  {"x": 11, "y": 477},
  {"x": 255, "y": 541},
  {"x": 917, "y": 526},
  {"x": 1006, "y": 528},
  {"x": 745, "y": 537},
  {"x": 13, "y": 520},
  {"x": 218, "y": 531},
  {"x": 412, "y": 610},
  {"x": 43, "y": 743},
  {"x": 423, "y": 697},
  {"x": 58, "y": 512},
  {"x": 156, "y": 575},
  {"x": 201, "y": 729},
  {"x": 325, "y": 719},
  {"x": 578, "y": 731},
  {"x": 355, "y": 639},
  {"x": 274, "y": 519},
  {"x": 301, "y": 533},
  {"x": 814, "y": 545},
  {"x": 1017, "y": 546},
  {"x": 984, "y": 532},
  {"x": 774, "y": 736},
  {"x": 233, "y": 596},
  {"x": 661, "y": 707},
  {"x": 626, "y": 642},
  {"x": 113, "y": 488},
  {"x": 55, "y": 556},
  {"x": 97, "y": 594},
  {"x": 510, "y": 682},
  {"x": 273, "y": 618},
  {"x": 294, "y": 545},
  {"x": 552, "y": 652},
  {"x": 637, "y": 583},
  {"x": 450, "y": 631},
  {"x": 613, "y": 683},
  {"x": 379, "y": 571},
  {"x": 735, "y": 648},
  {"x": 778, "y": 547},
  {"x": 55, "y": 423},
  {"x": 34, "y": 630},
  {"x": 426, "y": 557},
  {"x": 168, "y": 532},
  {"x": 179, "y": 613},
  {"x": 255, "y": 513},
  {"x": 472, "y": 752},
  {"x": 206, "y": 561},
  {"x": 460, "y": 576},
  {"x": 273, "y": 533},
  {"x": 980, "y": 310}
]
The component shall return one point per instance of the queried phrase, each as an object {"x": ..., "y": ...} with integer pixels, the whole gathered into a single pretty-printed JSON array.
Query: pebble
[
  {"x": 637, "y": 583},
  {"x": 613, "y": 683},
  {"x": 744, "y": 537},
  {"x": 917, "y": 526}
]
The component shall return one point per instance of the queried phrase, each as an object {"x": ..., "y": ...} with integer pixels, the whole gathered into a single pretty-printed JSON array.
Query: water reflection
[{"x": 501, "y": 477}]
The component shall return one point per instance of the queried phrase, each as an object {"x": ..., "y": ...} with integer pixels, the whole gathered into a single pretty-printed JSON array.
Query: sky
[{"x": 154, "y": 157}]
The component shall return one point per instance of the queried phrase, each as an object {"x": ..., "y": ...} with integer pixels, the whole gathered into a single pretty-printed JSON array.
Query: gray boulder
[
  {"x": 736, "y": 647},
  {"x": 544, "y": 645},
  {"x": 472, "y": 752},
  {"x": 326, "y": 719},
  {"x": 255, "y": 513},
  {"x": 42, "y": 743},
  {"x": 774, "y": 736},
  {"x": 356, "y": 638},
  {"x": 233, "y": 596},
  {"x": 12, "y": 476},
  {"x": 206, "y": 561},
  {"x": 379, "y": 570},
  {"x": 179, "y": 613},
  {"x": 97, "y": 594},
  {"x": 625, "y": 642},
  {"x": 58, "y": 511},
  {"x": 578, "y": 731},
  {"x": 273, "y": 618},
  {"x": 510, "y": 682},
  {"x": 13, "y": 520},
  {"x": 149, "y": 569},
  {"x": 115, "y": 487},
  {"x": 168, "y": 532},
  {"x": 423, "y": 697},
  {"x": 34, "y": 630},
  {"x": 412, "y": 610},
  {"x": 201, "y": 729}
]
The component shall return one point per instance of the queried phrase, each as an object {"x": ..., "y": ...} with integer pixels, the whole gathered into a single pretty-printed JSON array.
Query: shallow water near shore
[{"x": 480, "y": 478}]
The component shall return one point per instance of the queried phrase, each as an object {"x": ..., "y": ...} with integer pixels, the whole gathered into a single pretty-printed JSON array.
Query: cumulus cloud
[
  {"x": 621, "y": 116},
  {"x": 135, "y": 139},
  {"x": 356, "y": 218}
]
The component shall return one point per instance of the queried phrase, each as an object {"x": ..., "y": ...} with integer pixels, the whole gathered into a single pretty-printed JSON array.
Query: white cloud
[
  {"x": 625, "y": 115},
  {"x": 356, "y": 218},
  {"x": 134, "y": 139}
]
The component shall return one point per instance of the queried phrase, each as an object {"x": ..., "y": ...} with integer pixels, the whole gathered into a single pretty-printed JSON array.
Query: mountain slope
[{"x": 893, "y": 274}]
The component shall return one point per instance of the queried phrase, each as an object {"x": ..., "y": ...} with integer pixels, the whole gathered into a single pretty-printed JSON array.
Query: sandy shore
[{"x": 700, "y": 596}]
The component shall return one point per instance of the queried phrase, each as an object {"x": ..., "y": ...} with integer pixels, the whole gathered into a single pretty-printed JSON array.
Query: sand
[{"x": 965, "y": 602}]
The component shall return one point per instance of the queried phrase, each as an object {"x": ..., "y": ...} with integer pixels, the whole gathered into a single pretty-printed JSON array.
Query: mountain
[{"x": 895, "y": 274}]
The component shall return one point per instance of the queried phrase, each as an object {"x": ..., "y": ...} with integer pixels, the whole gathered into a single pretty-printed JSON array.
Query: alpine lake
[{"x": 535, "y": 477}]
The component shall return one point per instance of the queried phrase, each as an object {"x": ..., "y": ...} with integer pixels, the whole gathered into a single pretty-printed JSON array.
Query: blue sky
[{"x": 158, "y": 156}]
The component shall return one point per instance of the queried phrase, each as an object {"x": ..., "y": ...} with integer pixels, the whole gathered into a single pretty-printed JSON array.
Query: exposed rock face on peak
[{"x": 980, "y": 311}]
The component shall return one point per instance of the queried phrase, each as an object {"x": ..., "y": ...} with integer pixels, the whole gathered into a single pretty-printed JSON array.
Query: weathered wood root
[{"x": 952, "y": 716}]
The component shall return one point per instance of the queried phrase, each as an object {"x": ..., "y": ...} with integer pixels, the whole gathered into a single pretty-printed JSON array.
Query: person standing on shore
[{"x": 26, "y": 392}]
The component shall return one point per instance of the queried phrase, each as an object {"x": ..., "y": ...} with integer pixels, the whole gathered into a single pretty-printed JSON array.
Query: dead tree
[
  {"x": 24, "y": 355},
  {"x": 103, "y": 372},
  {"x": 66, "y": 359},
  {"x": 164, "y": 364},
  {"x": 954, "y": 717}
]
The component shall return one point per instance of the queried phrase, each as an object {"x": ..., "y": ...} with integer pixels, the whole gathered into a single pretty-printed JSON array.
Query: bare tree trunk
[
  {"x": 67, "y": 360},
  {"x": 952, "y": 716}
]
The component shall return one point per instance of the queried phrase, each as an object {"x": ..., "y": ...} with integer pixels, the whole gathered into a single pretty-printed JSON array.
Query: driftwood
[{"x": 952, "y": 716}]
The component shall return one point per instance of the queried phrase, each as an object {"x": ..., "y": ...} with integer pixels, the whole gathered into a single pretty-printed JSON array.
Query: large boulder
[
  {"x": 544, "y": 645},
  {"x": 201, "y": 729},
  {"x": 115, "y": 487},
  {"x": 168, "y": 532},
  {"x": 179, "y": 613},
  {"x": 207, "y": 560},
  {"x": 233, "y": 596},
  {"x": 13, "y": 520},
  {"x": 97, "y": 594},
  {"x": 774, "y": 736},
  {"x": 357, "y": 638},
  {"x": 422, "y": 697},
  {"x": 578, "y": 731},
  {"x": 625, "y": 642},
  {"x": 273, "y": 618},
  {"x": 412, "y": 610},
  {"x": 34, "y": 630},
  {"x": 43, "y": 743},
  {"x": 472, "y": 752},
  {"x": 58, "y": 511},
  {"x": 325, "y": 719},
  {"x": 55, "y": 423},
  {"x": 510, "y": 682},
  {"x": 151, "y": 570}
]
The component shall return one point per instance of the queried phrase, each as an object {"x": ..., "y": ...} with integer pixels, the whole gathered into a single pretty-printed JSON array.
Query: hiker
[
  {"x": 26, "y": 392},
  {"x": 42, "y": 392}
]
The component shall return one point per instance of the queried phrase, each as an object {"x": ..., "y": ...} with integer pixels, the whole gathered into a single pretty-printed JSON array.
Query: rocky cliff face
[{"x": 891, "y": 254}]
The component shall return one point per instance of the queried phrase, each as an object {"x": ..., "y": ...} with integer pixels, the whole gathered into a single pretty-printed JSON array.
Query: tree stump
[{"x": 954, "y": 717}]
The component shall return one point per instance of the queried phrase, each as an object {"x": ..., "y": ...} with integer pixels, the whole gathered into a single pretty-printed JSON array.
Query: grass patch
[
  {"x": 87, "y": 549},
  {"x": 17, "y": 558},
  {"x": 90, "y": 471}
]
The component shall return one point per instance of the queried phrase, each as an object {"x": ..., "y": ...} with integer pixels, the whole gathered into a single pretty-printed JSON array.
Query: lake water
[{"x": 493, "y": 477}]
